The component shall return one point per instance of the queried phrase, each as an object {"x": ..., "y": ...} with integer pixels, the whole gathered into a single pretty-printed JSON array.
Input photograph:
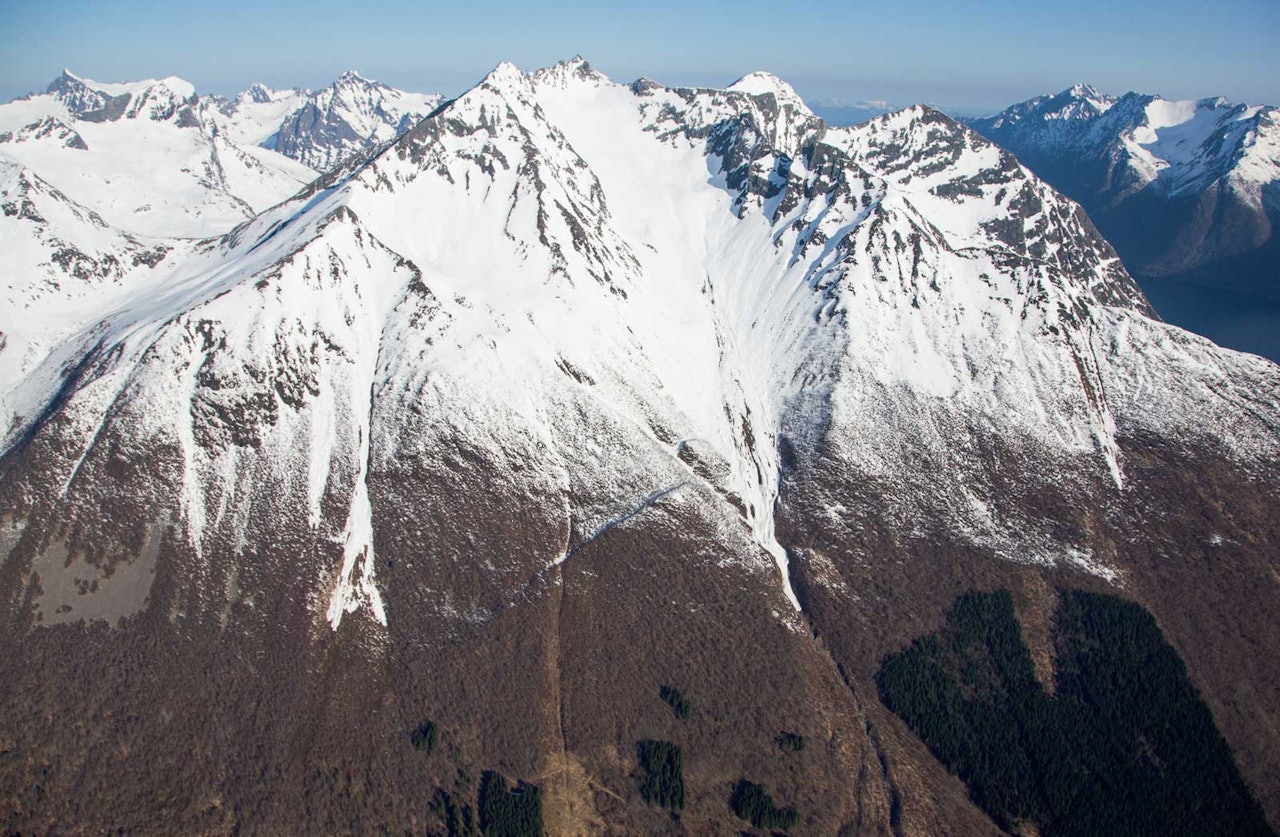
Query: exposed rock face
[
  {"x": 1186, "y": 190},
  {"x": 577, "y": 390},
  {"x": 348, "y": 117},
  {"x": 76, "y": 94}
]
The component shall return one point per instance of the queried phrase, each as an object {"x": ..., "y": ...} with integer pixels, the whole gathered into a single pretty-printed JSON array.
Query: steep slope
[
  {"x": 63, "y": 267},
  {"x": 577, "y": 390},
  {"x": 1184, "y": 189}
]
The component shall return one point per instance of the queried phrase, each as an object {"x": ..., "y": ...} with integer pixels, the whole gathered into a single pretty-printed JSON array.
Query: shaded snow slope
[
  {"x": 1186, "y": 144},
  {"x": 1184, "y": 189}
]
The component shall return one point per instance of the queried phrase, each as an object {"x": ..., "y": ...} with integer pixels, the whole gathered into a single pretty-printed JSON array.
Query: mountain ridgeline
[
  {"x": 623, "y": 431},
  {"x": 1185, "y": 190},
  {"x": 154, "y": 158}
]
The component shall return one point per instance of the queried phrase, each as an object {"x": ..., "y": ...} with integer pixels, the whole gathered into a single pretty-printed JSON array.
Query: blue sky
[{"x": 963, "y": 55}]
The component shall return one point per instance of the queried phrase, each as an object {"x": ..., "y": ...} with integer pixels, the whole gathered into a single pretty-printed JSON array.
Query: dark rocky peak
[
  {"x": 643, "y": 86},
  {"x": 167, "y": 99},
  {"x": 159, "y": 101},
  {"x": 1069, "y": 110},
  {"x": 112, "y": 109},
  {"x": 1081, "y": 102},
  {"x": 784, "y": 125},
  {"x": 257, "y": 92},
  {"x": 352, "y": 115},
  {"x": 1216, "y": 102},
  {"x": 563, "y": 73},
  {"x": 1128, "y": 110},
  {"x": 76, "y": 94}
]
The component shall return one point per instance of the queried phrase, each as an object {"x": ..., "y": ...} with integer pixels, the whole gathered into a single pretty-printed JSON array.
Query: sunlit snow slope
[
  {"x": 152, "y": 158},
  {"x": 146, "y": 156}
]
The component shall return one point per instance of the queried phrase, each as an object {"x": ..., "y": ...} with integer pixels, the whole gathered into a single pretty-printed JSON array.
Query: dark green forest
[
  {"x": 424, "y": 737},
  {"x": 663, "y": 766},
  {"x": 752, "y": 803},
  {"x": 509, "y": 812},
  {"x": 674, "y": 698},
  {"x": 1125, "y": 746}
]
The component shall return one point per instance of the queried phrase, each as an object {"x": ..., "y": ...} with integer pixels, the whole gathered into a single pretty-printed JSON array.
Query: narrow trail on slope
[
  {"x": 569, "y": 807},
  {"x": 631, "y": 513}
]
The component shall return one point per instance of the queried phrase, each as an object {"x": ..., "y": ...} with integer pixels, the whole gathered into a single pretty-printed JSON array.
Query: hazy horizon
[{"x": 964, "y": 57}]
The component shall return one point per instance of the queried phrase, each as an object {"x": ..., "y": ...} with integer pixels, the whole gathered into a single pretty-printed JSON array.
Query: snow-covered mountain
[
  {"x": 63, "y": 267},
  {"x": 1185, "y": 189},
  {"x": 350, "y": 116},
  {"x": 255, "y": 115},
  {"x": 154, "y": 159},
  {"x": 577, "y": 387},
  {"x": 149, "y": 157}
]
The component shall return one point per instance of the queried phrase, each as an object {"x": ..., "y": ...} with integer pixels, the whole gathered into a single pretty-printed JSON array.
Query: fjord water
[{"x": 1238, "y": 321}]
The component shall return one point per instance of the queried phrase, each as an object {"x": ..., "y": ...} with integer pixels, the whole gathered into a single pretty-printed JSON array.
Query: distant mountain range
[
  {"x": 1185, "y": 190},
  {"x": 153, "y": 158}
]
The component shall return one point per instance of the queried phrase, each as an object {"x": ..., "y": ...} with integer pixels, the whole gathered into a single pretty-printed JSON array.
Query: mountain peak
[
  {"x": 586, "y": 364},
  {"x": 919, "y": 113},
  {"x": 1077, "y": 102},
  {"x": 77, "y": 94},
  {"x": 561, "y": 73},
  {"x": 257, "y": 92},
  {"x": 763, "y": 83},
  {"x": 766, "y": 84},
  {"x": 1083, "y": 91},
  {"x": 348, "y": 116},
  {"x": 352, "y": 78},
  {"x": 504, "y": 76},
  {"x": 178, "y": 86},
  {"x": 1213, "y": 102},
  {"x": 64, "y": 80}
]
